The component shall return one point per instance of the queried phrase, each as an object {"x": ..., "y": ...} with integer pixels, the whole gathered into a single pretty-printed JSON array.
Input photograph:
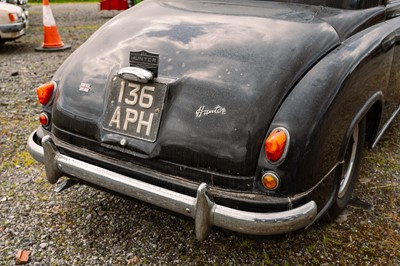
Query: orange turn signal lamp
[
  {"x": 276, "y": 145},
  {"x": 13, "y": 17},
  {"x": 45, "y": 92},
  {"x": 270, "y": 180}
]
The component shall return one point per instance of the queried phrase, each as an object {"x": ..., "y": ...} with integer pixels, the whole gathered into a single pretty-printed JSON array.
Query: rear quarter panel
[{"x": 326, "y": 103}]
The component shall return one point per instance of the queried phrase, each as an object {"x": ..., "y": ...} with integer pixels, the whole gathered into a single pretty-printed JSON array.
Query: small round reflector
[
  {"x": 45, "y": 92},
  {"x": 44, "y": 119},
  {"x": 275, "y": 145},
  {"x": 270, "y": 181}
]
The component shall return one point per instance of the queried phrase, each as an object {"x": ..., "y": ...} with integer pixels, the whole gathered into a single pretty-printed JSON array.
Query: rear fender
[{"x": 324, "y": 106}]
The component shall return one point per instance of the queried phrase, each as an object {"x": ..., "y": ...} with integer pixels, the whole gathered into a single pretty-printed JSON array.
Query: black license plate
[{"x": 134, "y": 109}]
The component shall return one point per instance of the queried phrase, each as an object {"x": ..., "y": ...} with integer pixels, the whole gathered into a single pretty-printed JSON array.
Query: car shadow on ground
[{"x": 17, "y": 47}]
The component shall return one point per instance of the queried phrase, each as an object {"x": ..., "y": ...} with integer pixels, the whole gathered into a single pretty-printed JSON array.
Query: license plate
[{"x": 134, "y": 109}]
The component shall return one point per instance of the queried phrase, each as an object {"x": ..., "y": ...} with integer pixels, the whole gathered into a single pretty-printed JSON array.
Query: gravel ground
[{"x": 84, "y": 226}]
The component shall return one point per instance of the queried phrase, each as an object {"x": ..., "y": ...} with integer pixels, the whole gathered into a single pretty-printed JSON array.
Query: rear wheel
[{"x": 349, "y": 170}]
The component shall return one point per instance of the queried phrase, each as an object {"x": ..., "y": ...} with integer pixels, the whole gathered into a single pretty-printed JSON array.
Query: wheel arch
[
  {"x": 373, "y": 118},
  {"x": 372, "y": 112}
]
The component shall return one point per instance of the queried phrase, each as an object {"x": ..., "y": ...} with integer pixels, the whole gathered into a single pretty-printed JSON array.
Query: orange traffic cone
[{"x": 52, "y": 40}]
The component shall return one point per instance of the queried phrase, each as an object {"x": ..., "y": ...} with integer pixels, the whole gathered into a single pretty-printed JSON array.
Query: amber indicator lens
[
  {"x": 275, "y": 144},
  {"x": 12, "y": 17},
  {"x": 270, "y": 181},
  {"x": 45, "y": 92}
]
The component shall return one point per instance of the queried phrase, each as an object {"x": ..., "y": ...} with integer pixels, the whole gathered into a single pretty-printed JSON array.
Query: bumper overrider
[{"x": 201, "y": 208}]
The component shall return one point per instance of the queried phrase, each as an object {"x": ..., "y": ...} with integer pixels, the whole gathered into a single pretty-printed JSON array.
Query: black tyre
[{"x": 347, "y": 174}]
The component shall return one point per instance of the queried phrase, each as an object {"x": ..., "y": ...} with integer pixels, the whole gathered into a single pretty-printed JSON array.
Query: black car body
[{"x": 246, "y": 115}]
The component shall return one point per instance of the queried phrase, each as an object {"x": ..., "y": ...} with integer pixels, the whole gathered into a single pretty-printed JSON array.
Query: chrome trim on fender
[
  {"x": 385, "y": 126},
  {"x": 202, "y": 209}
]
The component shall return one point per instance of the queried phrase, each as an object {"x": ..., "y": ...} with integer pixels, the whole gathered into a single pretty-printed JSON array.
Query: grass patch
[{"x": 21, "y": 159}]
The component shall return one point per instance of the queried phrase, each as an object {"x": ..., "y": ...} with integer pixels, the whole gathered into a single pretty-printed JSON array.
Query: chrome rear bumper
[{"x": 202, "y": 209}]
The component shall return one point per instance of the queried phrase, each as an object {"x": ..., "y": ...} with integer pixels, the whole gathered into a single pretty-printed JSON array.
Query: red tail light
[
  {"x": 276, "y": 144},
  {"x": 45, "y": 92},
  {"x": 44, "y": 119}
]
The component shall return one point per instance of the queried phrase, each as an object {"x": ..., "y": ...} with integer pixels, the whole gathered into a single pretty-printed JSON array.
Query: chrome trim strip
[
  {"x": 202, "y": 209},
  {"x": 305, "y": 193},
  {"x": 385, "y": 127}
]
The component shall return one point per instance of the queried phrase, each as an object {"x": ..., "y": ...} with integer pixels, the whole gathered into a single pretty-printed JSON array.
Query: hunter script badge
[{"x": 144, "y": 59}]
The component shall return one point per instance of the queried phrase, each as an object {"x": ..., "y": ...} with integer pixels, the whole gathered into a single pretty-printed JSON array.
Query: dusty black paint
[{"x": 308, "y": 68}]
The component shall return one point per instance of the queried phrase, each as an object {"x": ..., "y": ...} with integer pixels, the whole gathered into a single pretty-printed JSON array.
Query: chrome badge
[{"x": 202, "y": 111}]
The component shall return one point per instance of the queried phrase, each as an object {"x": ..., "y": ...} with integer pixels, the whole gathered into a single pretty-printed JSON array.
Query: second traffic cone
[{"x": 52, "y": 40}]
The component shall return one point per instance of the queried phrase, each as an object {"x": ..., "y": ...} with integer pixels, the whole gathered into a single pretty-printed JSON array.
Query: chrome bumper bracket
[
  {"x": 53, "y": 173},
  {"x": 203, "y": 213}
]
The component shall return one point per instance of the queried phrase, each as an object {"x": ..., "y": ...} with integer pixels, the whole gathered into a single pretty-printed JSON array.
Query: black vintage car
[{"x": 245, "y": 115}]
